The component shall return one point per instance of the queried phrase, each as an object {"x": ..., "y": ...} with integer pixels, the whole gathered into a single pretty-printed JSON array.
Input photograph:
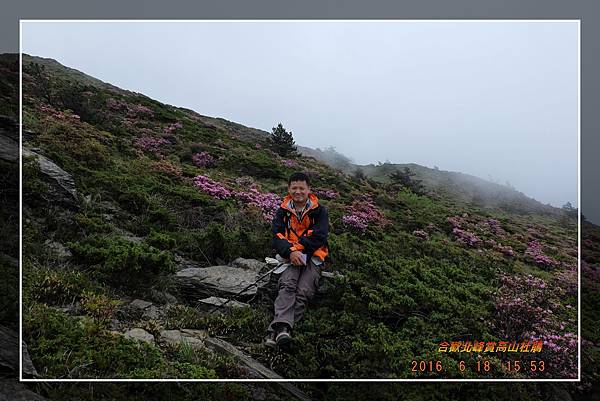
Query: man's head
[{"x": 299, "y": 188}]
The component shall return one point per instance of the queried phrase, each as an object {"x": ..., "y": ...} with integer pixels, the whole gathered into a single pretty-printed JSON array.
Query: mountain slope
[
  {"x": 418, "y": 270},
  {"x": 463, "y": 188}
]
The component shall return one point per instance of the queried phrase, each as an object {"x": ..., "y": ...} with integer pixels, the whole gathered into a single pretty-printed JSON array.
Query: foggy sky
[{"x": 495, "y": 99}]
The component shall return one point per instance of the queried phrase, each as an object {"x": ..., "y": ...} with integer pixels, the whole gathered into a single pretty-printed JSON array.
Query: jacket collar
[{"x": 285, "y": 204}]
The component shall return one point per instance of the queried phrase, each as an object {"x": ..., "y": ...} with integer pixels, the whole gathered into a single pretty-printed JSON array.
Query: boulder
[
  {"x": 9, "y": 353},
  {"x": 63, "y": 185},
  {"x": 255, "y": 369},
  {"x": 200, "y": 334},
  {"x": 139, "y": 335},
  {"x": 176, "y": 337},
  {"x": 13, "y": 390},
  {"x": 214, "y": 302},
  {"x": 202, "y": 282},
  {"x": 162, "y": 297},
  {"x": 9, "y": 149},
  {"x": 152, "y": 313},
  {"x": 249, "y": 264},
  {"x": 58, "y": 249},
  {"x": 183, "y": 263},
  {"x": 140, "y": 304}
]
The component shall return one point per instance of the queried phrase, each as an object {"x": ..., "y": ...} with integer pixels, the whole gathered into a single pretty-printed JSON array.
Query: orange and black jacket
[{"x": 309, "y": 234}]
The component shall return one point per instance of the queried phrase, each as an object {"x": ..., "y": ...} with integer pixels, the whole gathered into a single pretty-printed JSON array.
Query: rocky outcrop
[
  {"x": 209, "y": 304},
  {"x": 9, "y": 149},
  {"x": 139, "y": 335},
  {"x": 255, "y": 369},
  {"x": 196, "y": 283},
  {"x": 12, "y": 390},
  {"x": 9, "y": 353},
  {"x": 58, "y": 249},
  {"x": 192, "y": 338},
  {"x": 63, "y": 185},
  {"x": 203, "y": 286}
]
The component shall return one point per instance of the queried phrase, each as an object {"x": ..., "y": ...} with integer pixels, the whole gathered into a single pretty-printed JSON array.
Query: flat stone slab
[
  {"x": 249, "y": 264},
  {"x": 140, "y": 304},
  {"x": 176, "y": 337},
  {"x": 255, "y": 368},
  {"x": 200, "y": 334},
  {"x": 213, "y": 302},
  {"x": 139, "y": 335},
  {"x": 202, "y": 282},
  {"x": 63, "y": 179}
]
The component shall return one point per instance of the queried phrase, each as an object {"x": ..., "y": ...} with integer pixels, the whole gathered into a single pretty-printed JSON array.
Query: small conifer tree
[{"x": 283, "y": 141}]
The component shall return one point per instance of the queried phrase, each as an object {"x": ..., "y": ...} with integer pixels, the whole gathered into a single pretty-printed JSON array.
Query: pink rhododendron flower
[
  {"x": 213, "y": 188},
  {"x": 203, "y": 159}
]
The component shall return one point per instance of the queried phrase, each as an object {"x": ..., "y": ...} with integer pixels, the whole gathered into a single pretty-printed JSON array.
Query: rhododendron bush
[
  {"x": 528, "y": 308},
  {"x": 362, "y": 214},
  {"x": 266, "y": 202}
]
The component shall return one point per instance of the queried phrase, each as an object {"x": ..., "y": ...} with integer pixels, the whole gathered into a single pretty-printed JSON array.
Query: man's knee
[
  {"x": 305, "y": 293},
  {"x": 287, "y": 284}
]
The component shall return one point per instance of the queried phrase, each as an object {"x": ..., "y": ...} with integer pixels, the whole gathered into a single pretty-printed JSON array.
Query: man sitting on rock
[{"x": 300, "y": 229}]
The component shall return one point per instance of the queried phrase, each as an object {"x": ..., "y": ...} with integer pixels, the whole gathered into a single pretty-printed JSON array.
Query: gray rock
[
  {"x": 9, "y": 149},
  {"x": 152, "y": 313},
  {"x": 140, "y": 304},
  {"x": 9, "y": 127},
  {"x": 9, "y": 353},
  {"x": 183, "y": 263},
  {"x": 256, "y": 370},
  {"x": 139, "y": 335},
  {"x": 212, "y": 302},
  {"x": 55, "y": 174},
  {"x": 176, "y": 337},
  {"x": 249, "y": 264},
  {"x": 59, "y": 249},
  {"x": 197, "y": 283},
  {"x": 13, "y": 390},
  {"x": 162, "y": 297},
  {"x": 200, "y": 334},
  {"x": 170, "y": 337}
]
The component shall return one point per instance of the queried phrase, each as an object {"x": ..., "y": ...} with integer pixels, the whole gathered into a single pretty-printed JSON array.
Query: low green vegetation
[{"x": 418, "y": 269}]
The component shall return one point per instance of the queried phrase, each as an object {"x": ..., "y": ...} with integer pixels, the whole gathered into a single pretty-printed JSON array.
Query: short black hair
[{"x": 298, "y": 177}]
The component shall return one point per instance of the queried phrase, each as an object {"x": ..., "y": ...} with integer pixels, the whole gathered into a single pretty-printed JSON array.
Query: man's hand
[{"x": 296, "y": 258}]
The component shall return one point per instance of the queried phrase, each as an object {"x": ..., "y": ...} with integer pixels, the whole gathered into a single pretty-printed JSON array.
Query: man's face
[{"x": 299, "y": 191}]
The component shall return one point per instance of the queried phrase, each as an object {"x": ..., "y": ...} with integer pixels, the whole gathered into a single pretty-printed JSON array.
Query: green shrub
[
  {"x": 69, "y": 145},
  {"x": 160, "y": 240},
  {"x": 99, "y": 306},
  {"x": 53, "y": 286},
  {"x": 123, "y": 263},
  {"x": 62, "y": 347}
]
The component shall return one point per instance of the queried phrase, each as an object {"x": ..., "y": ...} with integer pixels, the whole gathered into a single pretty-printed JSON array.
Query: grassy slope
[{"x": 401, "y": 296}]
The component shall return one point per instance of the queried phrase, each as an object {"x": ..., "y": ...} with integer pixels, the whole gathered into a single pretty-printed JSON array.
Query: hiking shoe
[
  {"x": 270, "y": 340},
  {"x": 284, "y": 336}
]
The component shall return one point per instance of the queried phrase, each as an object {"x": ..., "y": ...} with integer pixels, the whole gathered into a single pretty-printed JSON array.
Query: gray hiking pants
[{"x": 297, "y": 286}]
